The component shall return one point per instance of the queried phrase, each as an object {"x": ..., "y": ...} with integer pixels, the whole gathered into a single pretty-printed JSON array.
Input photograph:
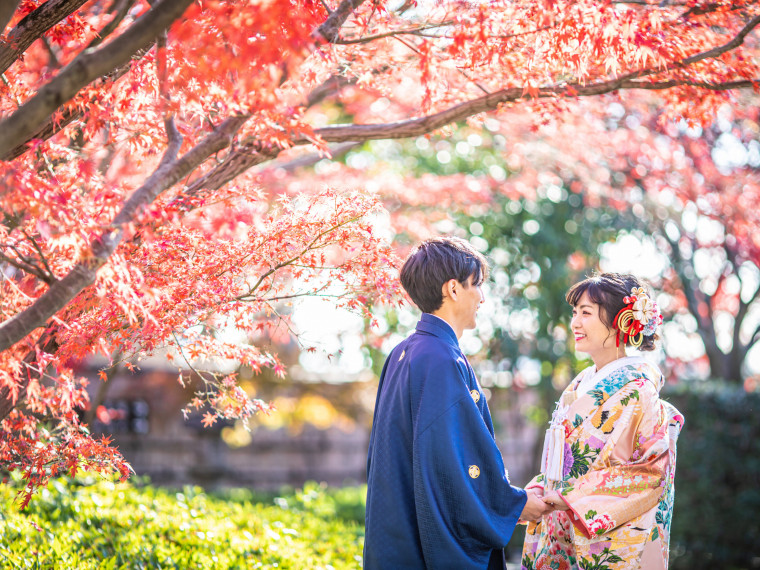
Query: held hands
[
  {"x": 539, "y": 504},
  {"x": 553, "y": 498},
  {"x": 535, "y": 507}
]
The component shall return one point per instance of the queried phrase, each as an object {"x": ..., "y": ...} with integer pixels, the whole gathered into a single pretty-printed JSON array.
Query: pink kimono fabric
[{"x": 618, "y": 469}]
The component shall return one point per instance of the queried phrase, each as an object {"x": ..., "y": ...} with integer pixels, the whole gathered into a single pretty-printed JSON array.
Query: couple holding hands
[{"x": 438, "y": 493}]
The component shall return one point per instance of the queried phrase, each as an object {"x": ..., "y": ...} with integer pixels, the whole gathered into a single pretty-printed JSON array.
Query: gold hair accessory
[{"x": 640, "y": 316}]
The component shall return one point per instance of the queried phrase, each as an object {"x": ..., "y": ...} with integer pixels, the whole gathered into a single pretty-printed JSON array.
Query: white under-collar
[{"x": 591, "y": 376}]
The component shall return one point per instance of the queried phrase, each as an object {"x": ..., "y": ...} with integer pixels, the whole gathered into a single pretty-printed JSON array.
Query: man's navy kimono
[{"x": 438, "y": 494}]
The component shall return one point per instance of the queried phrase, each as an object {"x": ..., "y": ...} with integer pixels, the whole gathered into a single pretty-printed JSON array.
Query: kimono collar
[
  {"x": 610, "y": 367},
  {"x": 437, "y": 327},
  {"x": 590, "y": 377}
]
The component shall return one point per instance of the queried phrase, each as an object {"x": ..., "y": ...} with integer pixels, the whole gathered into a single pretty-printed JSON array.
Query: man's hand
[
  {"x": 535, "y": 507},
  {"x": 552, "y": 498}
]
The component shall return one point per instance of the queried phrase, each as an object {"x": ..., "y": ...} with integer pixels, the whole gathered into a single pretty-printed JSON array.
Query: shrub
[
  {"x": 715, "y": 518},
  {"x": 120, "y": 526}
]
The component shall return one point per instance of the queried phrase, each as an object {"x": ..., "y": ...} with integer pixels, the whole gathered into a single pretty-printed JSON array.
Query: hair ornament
[{"x": 640, "y": 316}]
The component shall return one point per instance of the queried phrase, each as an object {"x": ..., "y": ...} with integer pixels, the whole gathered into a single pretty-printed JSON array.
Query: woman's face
[{"x": 592, "y": 335}]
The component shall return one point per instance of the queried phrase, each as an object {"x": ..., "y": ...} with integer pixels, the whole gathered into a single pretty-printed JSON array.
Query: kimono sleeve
[
  {"x": 629, "y": 475},
  {"x": 538, "y": 482},
  {"x": 466, "y": 507}
]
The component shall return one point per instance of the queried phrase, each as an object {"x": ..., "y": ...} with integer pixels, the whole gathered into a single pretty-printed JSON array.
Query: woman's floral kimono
[{"x": 616, "y": 471}]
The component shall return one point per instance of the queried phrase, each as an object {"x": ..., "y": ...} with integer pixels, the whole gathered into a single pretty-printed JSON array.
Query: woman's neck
[{"x": 602, "y": 360}]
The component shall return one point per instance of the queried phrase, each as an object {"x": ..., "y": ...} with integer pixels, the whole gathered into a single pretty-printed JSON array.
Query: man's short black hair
[{"x": 436, "y": 261}]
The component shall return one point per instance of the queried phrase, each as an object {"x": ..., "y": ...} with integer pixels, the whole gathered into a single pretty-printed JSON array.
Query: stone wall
[
  {"x": 272, "y": 460},
  {"x": 151, "y": 433}
]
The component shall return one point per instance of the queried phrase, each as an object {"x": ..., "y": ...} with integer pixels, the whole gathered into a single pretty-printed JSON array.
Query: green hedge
[
  {"x": 716, "y": 518},
  {"x": 110, "y": 526}
]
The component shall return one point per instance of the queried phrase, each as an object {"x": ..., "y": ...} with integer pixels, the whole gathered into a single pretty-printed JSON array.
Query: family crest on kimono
[{"x": 609, "y": 457}]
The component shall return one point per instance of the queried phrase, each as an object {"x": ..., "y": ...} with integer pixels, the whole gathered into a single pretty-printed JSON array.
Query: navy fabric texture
[{"x": 438, "y": 494}]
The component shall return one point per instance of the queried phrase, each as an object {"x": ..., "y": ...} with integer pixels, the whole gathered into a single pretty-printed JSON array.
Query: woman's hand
[
  {"x": 535, "y": 508},
  {"x": 555, "y": 500}
]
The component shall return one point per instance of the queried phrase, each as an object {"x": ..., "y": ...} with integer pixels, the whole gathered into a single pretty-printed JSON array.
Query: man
[{"x": 438, "y": 495}]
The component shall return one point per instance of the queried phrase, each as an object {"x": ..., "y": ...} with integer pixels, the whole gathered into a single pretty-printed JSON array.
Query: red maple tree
[{"x": 132, "y": 219}]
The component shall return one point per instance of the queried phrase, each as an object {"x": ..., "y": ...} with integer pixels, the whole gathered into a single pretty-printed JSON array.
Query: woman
[{"x": 610, "y": 451}]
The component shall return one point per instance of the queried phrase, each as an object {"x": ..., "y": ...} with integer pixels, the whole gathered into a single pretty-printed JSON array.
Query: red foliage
[{"x": 127, "y": 220}]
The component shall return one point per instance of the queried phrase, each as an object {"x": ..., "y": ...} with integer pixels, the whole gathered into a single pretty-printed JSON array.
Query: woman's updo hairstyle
[{"x": 608, "y": 290}]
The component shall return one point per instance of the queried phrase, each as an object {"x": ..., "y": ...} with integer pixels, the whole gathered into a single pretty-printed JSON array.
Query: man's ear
[{"x": 450, "y": 289}]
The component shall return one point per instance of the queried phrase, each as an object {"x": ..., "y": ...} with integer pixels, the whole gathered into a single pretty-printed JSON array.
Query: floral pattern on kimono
[{"x": 617, "y": 477}]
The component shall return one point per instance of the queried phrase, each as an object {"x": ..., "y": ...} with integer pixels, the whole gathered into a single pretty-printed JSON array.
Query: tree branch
[
  {"x": 689, "y": 286},
  {"x": 728, "y": 46},
  {"x": 732, "y": 260},
  {"x": 234, "y": 164},
  {"x": 638, "y": 2},
  {"x": 64, "y": 116},
  {"x": 662, "y": 85},
  {"x": 420, "y": 125},
  {"x": 32, "y": 27},
  {"x": 68, "y": 114},
  {"x": 243, "y": 158},
  {"x": 39, "y": 251},
  {"x": 169, "y": 172},
  {"x": 328, "y": 88},
  {"x": 743, "y": 349},
  {"x": 494, "y": 36},
  {"x": 122, "y": 9},
  {"x": 84, "y": 68},
  {"x": 491, "y": 102},
  {"x": 753, "y": 339},
  {"x": 734, "y": 43},
  {"x": 310, "y": 246},
  {"x": 330, "y": 28},
  {"x": 47, "y": 130},
  {"x": 707, "y": 9},
  {"x": 312, "y": 158},
  {"x": 307, "y": 294},
  {"x": 24, "y": 259},
  {"x": 742, "y": 353},
  {"x": 334, "y": 84},
  {"x": 27, "y": 267},
  {"x": 409, "y": 31}
]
